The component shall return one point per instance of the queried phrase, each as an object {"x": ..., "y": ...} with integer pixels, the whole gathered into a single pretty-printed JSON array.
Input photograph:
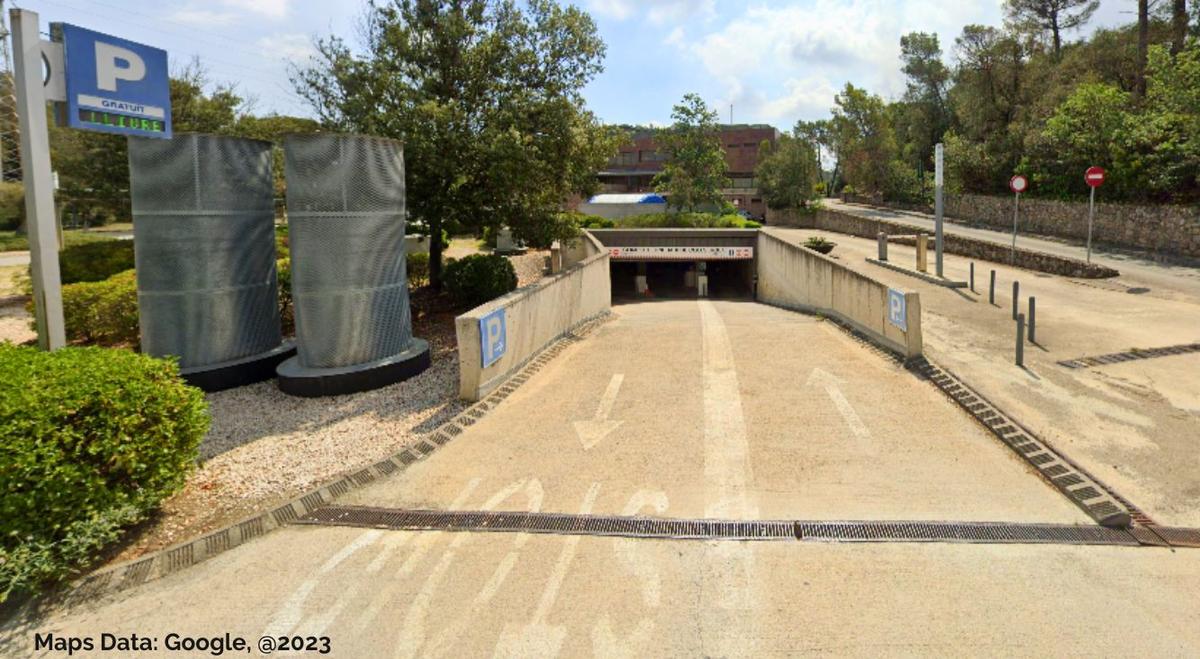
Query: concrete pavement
[
  {"x": 721, "y": 408},
  {"x": 1135, "y": 425},
  {"x": 733, "y": 410}
]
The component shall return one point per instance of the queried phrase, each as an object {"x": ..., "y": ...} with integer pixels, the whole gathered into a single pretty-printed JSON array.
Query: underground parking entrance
[{"x": 680, "y": 263}]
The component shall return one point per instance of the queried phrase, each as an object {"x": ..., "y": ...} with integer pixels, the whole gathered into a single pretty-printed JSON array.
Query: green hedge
[
  {"x": 91, "y": 440},
  {"x": 287, "y": 311},
  {"x": 95, "y": 261},
  {"x": 686, "y": 221},
  {"x": 103, "y": 313},
  {"x": 479, "y": 278},
  {"x": 12, "y": 205},
  {"x": 417, "y": 267}
]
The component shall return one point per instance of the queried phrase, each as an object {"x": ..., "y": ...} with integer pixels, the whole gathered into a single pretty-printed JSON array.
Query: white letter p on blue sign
[
  {"x": 492, "y": 337},
  {"x": 897, "y": 309},
  {"x": 115, "y": 63}
]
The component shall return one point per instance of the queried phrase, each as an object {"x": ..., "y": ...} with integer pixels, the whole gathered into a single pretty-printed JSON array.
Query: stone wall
[
  {"x": 829, "y": 220},
  {"x": 1166, "y": 230}
]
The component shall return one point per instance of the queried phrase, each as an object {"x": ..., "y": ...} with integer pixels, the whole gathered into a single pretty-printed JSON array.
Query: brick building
[{"x": 634, "y": 167}]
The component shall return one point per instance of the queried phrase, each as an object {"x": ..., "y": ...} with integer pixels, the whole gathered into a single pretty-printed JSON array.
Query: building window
[
  {"x": 625, "y": 158},
  {"x": 750, "y": 145},
  {"x": 651, "y": 156},
  {"x": 743, "y": 183}
]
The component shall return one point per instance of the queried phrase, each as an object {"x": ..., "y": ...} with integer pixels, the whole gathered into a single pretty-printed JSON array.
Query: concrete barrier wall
[
  {"x": 793, "y": 277},
  {"x": 535, "y": 316}
]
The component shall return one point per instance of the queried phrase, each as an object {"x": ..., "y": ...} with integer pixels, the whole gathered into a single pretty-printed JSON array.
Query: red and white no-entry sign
[
  {"x": 1018, "y": 184},
  {"x": 1094, "y": 176}
]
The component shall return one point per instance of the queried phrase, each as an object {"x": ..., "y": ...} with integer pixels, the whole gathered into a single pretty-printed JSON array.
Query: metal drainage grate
[
  {"x": 1131, "y": 355},
  {"x": 528, "y": 522},
  {"x": 1099, "y": 501},
  {"x": 716, "y": 529},
  {"x": 973, "y": 532}
]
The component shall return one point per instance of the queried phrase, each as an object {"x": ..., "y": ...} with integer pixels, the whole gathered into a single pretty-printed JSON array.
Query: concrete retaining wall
[
  {"x": 793, "y": 277},
  {"x": 864, "y": 227},
  {"x": 535, "y": 316}
]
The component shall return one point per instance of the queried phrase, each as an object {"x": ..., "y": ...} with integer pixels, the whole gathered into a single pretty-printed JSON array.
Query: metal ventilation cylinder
[
  {"x": 345, "y": 203},
  {"x": 204, "y": 248}
]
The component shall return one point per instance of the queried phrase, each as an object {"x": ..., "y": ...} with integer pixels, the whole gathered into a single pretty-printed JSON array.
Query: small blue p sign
[
  {"x": 897, "y": 309},
  {"x": 492, "y": 337}
]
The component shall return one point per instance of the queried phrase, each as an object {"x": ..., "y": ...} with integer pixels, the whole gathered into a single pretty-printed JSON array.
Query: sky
[{"x": 774, "y": 62}]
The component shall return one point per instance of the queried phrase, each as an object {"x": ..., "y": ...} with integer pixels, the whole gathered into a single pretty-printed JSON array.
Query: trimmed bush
[
  {"x": 12, "y": 205},
  {"x": 91, "y": 440},
  {"x": 686, "y": 221},
  {"x": 95, "y": 261},
  {"x": 417, "y": 266},
  {"x": 102, "y": 313},
  {"x": 479, "y": 278}
]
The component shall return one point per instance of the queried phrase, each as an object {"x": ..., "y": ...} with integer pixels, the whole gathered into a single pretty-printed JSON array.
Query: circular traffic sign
[
  {"x": 1094, "y": 176},
  {"x": 1018, "y": 184}
]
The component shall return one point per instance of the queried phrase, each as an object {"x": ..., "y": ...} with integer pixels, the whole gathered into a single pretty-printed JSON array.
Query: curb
[{"x": 163, "y": 562}]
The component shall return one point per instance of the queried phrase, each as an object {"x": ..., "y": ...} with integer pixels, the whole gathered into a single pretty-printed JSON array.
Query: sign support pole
[
  {"x": 1091, "y": 216},
  {"x": 35, "y": 163},
  {"x": 1016, "y": 212},
  {"x": 939, "y": 152}
]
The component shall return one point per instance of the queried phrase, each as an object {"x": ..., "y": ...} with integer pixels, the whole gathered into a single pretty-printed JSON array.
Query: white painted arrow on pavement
[
  {"x": 832, "y": 386},
  {"x": 592, "y": 431}
]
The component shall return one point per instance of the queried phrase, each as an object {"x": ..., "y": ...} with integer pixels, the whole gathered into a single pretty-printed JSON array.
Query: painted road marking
[
  {"x": 726, "y": 450},
  {"x": 594, "y": 430},
  {"x": 413, "y": 632},
  {"x": 538, "y": 638},
  {"x": 729, "y": 579},
  {"x": 832, "y": 385}
]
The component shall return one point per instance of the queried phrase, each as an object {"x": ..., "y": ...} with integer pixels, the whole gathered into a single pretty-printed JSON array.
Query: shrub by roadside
[
  {"x": 103, "y": 313},
  {"x": 91, "y": 440},
  {"x": 686, "y": 221},
  {"x": 95, "y": 261},
  {"x": 478, "y": 278}
]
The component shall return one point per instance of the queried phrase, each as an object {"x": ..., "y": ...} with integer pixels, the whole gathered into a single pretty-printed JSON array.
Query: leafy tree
[
  {"x": 821, "y": 135},
  {"x": 926, "y": 113},
  {"x": 787, "y": 173},
  {"x": 486, "y": 95},
  {"x": 1088, "y": 129},
  {"x": 1054, "y": 16},
  {"x": 866, "y": 141},
  {"x": 694, "y": 171}
]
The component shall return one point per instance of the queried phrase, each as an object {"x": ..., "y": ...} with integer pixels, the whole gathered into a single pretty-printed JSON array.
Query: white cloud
[
  {"x": 781, "y": 64},
  {"x": 292, "y": 47},
  {"x": 676, "y": 38},
  {"x": 657, "y": 11},
  {"x": 229, "y": 12}
]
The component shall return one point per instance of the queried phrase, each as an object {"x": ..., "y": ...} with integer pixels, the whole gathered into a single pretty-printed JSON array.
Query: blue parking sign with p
[
  {"x": 115, "y": 85},
  {"x": 492, "y": 337},
  {"x": 897, "y": 309}
]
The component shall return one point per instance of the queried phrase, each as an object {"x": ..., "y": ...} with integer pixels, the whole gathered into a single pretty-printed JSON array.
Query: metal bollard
[
  {"x": 992, "y": 289},
  {"x": 883, "y": 245},
  {"x": 1016, "y": 298},
  {"x": 1020, "y": 339},
  {"x": 972, "y": 276},
  {"x": 1032, "y": 318}
]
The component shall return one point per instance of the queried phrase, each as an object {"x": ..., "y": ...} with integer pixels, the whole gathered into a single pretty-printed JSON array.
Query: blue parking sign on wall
[
  {"x": 492, "y": 337},
  {"x": 115, "y": 85},
  {"x": 897, "y": 309}
]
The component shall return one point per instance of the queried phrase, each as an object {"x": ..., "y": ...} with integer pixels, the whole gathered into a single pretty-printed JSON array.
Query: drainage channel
[
  {"x": 1131, "y": 355},
  {"x": 719, "y": 529}
]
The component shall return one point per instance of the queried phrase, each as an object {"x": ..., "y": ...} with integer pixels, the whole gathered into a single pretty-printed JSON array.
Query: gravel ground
[{"x": 265, "y": 447}]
